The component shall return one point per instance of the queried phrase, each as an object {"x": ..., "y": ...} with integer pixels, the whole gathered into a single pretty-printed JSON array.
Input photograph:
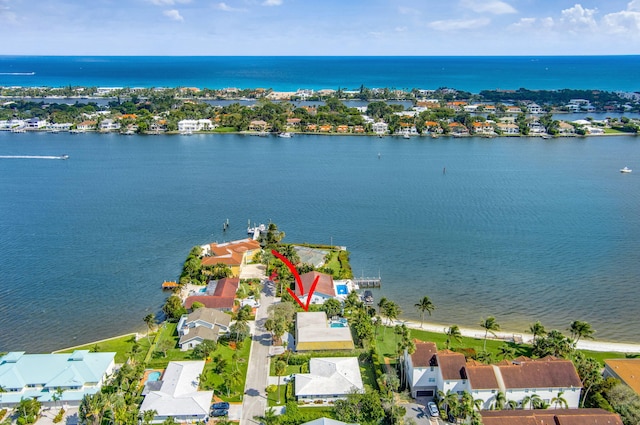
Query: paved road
[{"x": 255, "y": 399}]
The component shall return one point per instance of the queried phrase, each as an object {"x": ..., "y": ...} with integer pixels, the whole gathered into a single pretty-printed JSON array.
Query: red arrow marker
[{"x": 293, "y": 270}]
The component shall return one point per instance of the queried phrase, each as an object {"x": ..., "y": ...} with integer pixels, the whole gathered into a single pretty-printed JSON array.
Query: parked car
[
  {"x": 220, "y": 405},
  {"x": 433, "y": 409},
  {"x": 219, "y": 412}
]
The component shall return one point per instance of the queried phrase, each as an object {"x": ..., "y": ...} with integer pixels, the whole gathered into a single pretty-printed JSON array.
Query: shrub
[
  {"x": 469, "y": 353},
  {"x": 272, "y": 388},
  {"x": 2, "y": 413},
  {"x": 59, "y": 416}
]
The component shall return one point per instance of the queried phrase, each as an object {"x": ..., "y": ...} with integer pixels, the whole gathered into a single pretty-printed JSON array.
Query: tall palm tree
[
  {"x": 532, "y": 400},
  {"x": 147, "y": 416},
  {"x": 489, "y": 325},
  {"x": 424, "y": 305},
  {"x": 281, "y": 368},
  {"x": 453, "y": 332},
  {"x": 537, "y": 329},
  {"x": 392, "y": 311},
  {"x": 500, "y": 400},
  {"x": 149, "y": 319},
  {"x": 581, "y": 329}
]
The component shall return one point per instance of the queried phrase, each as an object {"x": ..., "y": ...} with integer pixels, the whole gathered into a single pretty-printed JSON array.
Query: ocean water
[
  {"x": 522, "y": 229},
  {"x": 291, "y": 73}
]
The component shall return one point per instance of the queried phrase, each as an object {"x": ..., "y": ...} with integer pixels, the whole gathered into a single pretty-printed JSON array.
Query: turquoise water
[
  {"x": 154, "y": 376},
  {"x": 291, "y": 73},
  {"x": 522, "y": 229}
]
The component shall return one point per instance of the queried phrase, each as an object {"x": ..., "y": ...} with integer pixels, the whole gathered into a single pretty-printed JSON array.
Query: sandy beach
[{"x": 591, "y": 345}]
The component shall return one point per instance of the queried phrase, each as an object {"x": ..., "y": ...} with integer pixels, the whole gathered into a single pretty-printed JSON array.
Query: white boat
[
  {"x": 626, "y": 170},
  {"x": 285, "y": 135},
  {"x": 406, "y": 136},
  {"x": 262, "y": 228}
]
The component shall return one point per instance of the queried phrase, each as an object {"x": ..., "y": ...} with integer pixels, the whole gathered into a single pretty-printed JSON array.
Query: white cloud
[
  {"x": 624, "y": 22},
  {"x": 272, "y": 3},
  {"x": 579, "y": 17},
  {"x": 408, "y": 11},
  {"x": 168, "y": 2},
  {"x": 401, "y": 29},
  {"x": 634, "y": 6},
  {"x": 459, "y": 24},
  {"x": 173, "y": 14},
  {"x": 6, "y": 15},
  {"x": 226, "y": 8},
  {"x": 496, "y": 7}
]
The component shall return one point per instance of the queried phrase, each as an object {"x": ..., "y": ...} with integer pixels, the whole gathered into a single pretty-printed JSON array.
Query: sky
[{"x": 320, "y": 27}]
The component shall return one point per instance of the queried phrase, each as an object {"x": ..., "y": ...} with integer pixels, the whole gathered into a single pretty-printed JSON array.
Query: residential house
[
  {"x": 25, "y": 376},
  {"x": 566, "y": 128},
  {"x": 534, "y": 108},
  {"x": 293, "y": 122},
  {"x": 87, "y": 125},
  {"x": 12, "y": 123},
  {"x": 185, "y": 126},
  {"x": 380, "y": 127},
  {"x": 314, "y": 332},
  {"x": 326, "y": 128},
  {"x": 513, "y": 110},
  {"x": 535, "y": 127},
  {"x": 219, "y": 294},
  {"x": 458, "y": 129},
  {"x": 508, "y": 128},
  {"x": 422, "y": 370},
  {"x": 342, "y": 128},
  {"x": 109, "y": 125},
  {"x": 203, "y": 323},
  {"x": 326, "y": 421},
  {"x": 329, "y": 378},
  {"x": 35, "y": 123},
  {"x": 324, "y": 290},
  {"x": 432, "y": 127},
  {"x": 516, "y": 379},
  {"x": 233, "y": 254},
  {"x": 358, "y": 129},
  {"x": 626, "y": 370},
  {"x": 258, "y": 125},
  {"x": 484, "y": 127},
  {"x": 312, "y": 127},
  {"x": 176, "y": 395},
  {"x": 62, "y": 126},
  {"x": 551, "y": 417}
]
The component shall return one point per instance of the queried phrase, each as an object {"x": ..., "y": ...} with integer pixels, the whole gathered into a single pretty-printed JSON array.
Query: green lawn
[
  {"x": 215, "y": 381},
  {"x": 290, "y": 369},
  {"x": 272, "y": 398},
  {"x": 368, "y": 375},
  {"x": 120, "y": 345},
  {"x": 386, "y": 345},
  {"x": 168, "y": 333}
]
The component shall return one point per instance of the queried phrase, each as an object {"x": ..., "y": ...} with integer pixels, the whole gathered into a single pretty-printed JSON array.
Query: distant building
[{"x": 24, "y": 376}]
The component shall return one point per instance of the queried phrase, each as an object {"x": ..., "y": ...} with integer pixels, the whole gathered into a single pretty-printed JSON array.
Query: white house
[
  {"x": 195, "y": 125},
  {"x": 314, "y": 332},
  {"x": 380, "y": 127},
  {"x": 324, "y": 288},
  {"x": 430, "y": 371},
  {"x": 9, "y": 124},
  {"x": 109, "y": 125},
  {"x": 24, "y": 376},
  {"x": 508, "y": 128},
  {"x": 203, "y": 323},
  {"x": 534, "y": 108},
  {"x": 35, "y": 123},
  {"x": 329, "y": 378},
  {"x": 176, "y": 395}
]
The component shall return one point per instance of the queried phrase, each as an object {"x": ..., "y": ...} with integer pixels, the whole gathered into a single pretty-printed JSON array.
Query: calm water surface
[{"x": 523, "y": 229}]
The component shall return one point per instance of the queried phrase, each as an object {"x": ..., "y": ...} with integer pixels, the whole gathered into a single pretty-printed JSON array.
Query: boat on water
[
  {"x": 252, "y": 230},
  {"x": 626, "y": 170},
  {"x": 406, "y": 135},
  {"x": 64, "y": 156},
  {"x": 285, "y": 135}
]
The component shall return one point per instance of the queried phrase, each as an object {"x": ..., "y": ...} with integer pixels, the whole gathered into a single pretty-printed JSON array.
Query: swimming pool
[
  {"x": 154, "y": 376},
  {"x": 342, "y": 289},
  {"x": 341, "y": 323}
]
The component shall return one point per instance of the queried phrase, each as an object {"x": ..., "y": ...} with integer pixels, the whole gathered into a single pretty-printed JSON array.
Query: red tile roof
[
  {"x": 324, "y": 286},
  {"x": 223, "y": 296},
  {"x": 542, "y": 373},
  {"x": 425, "y": 354},
  {"x": 452, "y": 365},
  {"x": 482, "y": 377},
  {"x": 550, "y": 417}
]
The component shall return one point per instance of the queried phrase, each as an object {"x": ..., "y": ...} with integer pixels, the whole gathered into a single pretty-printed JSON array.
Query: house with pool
[
  {"x": 326, "y": 287},
  {"x": 315, "y": 332}
]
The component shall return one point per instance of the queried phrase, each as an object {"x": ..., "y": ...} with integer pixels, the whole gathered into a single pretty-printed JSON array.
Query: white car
[{"x": 433, "y": 409}]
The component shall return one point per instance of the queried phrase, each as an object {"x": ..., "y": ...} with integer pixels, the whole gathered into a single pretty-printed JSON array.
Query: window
[
  {"x": 526, "y": 391},
  {"x": 493, "y": 391},
  {"x": 432, "y": 379}
]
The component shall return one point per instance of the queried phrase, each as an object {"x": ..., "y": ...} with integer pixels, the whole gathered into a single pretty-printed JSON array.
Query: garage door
[{"x": 428, "y": 393}]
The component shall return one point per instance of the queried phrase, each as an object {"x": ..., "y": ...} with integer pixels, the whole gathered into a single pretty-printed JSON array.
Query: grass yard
[
  {"x": 272, "y": 398},
  {"x": 367, "y": 371},
  {"x": 290, "y": 369},
  {"x": 120, "y": 345},
  {"x": 168, "y": 336},
  {"x": 216, "y": 380}
]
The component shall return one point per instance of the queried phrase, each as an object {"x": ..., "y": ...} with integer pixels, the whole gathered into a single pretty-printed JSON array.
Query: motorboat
[
  {"x": 285, "y": 135},
  {"x": 625, "y": 170}
]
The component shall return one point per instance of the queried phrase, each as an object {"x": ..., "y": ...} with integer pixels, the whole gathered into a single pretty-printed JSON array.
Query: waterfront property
[
  {"x": 324, "y": 289},
  {"x": 177, "y": 395},
  {"x": 218, "y": 294},
  {"x": 329, "y": 378},
  {"x": 547, "y": 417},
  {"x": 47, "y": 376},
  {"x": 203, "y": 323},
  {"x": 626, "y": 370},
  {"x": 233, "y": 254},
  {"x": 314, "y": 332},
  {"x": 430, "y": 371}
]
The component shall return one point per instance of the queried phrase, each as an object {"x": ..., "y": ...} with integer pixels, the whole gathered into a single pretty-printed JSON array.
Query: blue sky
[{"x": 319, "y": 27}]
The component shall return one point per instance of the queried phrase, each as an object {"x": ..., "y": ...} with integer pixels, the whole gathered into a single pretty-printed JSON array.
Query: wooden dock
[{"x": 368, "y": 282}]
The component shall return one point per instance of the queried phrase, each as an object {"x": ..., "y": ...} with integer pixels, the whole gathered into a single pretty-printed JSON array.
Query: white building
[
  {"x": 9, "y": 124},
  {"x": 429, "y": 371},
  {"x": 534, "y": 108},
  {"x": 109, "y": 125},
  {"x": 329, "y": 378},
  {"x": 195, "y": 125},
  {"x": 314, "y": 332},
  {"x": 202, "y": 324},
  {"x": 380, "y": 127},
  {"x": 176, "y": 395}
]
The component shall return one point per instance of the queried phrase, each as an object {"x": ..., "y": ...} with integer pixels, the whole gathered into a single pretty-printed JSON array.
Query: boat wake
[
  {"x": 17, "y": 73},
  {"x": 33, "y": 157}
]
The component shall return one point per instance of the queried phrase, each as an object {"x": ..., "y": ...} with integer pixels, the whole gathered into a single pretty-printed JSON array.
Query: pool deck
[{"x": 148, "y": 372}]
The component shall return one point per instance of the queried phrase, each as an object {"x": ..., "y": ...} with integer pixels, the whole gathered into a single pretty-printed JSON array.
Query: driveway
[
  {"x": 255, "y": 399},
  {"x": 416, "y": 411}
]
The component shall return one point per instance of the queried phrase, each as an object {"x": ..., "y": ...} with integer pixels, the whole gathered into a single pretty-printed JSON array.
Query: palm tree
[
  {"x": 147, "y": 416},
  {"x": 489, "y": 325},
  {"x": 507, "y": 350},
  {"x": 453, "y": 332},
  {"x": 425, "y": 305},
  {"x": 269, "y": 417},
  {"x": 281, "y": 368},
  {"x": 537, "y": 329},
  {"x": 581, "y": 329},
  {"x": 512, "y": 405},
  {"x": 149, "y": 319},
  {"x": 392, "y": 311},
  {"x": 533, "y": 400},
  {"x": 560, "y": 400},
  {"x": 500, "y": 400}
]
